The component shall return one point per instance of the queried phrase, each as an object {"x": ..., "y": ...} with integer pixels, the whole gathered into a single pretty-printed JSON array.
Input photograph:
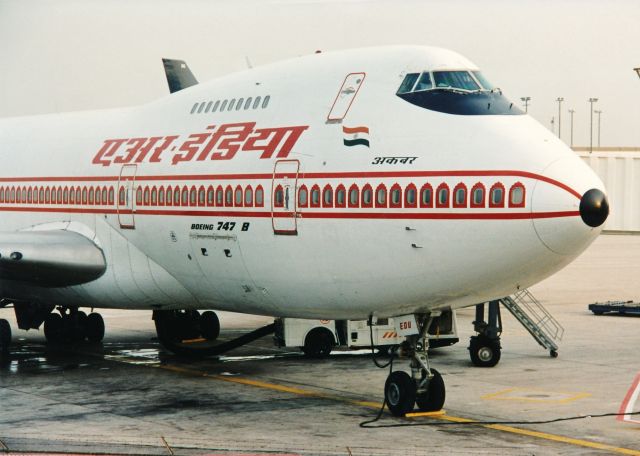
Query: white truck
[{"x": 317, "y": 338}]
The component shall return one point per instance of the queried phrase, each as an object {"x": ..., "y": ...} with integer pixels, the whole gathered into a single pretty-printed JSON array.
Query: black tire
[
  {"x": 484, "y": 352},
  {"x": 187, "y": 325},
  {"x": 94, "y": 328},
  {"x": 53, "y": 328},
  {"x": 318, "y": 343},
  {"x": 400, "y": 393},
  {"x": 74, "y": 325},
  {"x": 5, "y": 335},
  {"x": 209, "y": 325},
  {"x": 433, "y": 399}
]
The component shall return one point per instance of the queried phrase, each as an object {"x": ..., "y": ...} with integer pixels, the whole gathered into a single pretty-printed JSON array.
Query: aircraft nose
[
  {"x": 569, "y": 206},
  {"x": 594, "y": 207}
]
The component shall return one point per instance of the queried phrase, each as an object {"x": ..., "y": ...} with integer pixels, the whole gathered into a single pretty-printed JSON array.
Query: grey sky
[{"x": 88, "y": 54}]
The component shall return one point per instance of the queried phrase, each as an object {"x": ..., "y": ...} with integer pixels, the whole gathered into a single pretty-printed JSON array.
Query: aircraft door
[
  {"x": 125, "y": 198},
  {"x": 345, "y": 97},
  {"x": 284, "y": 197}
]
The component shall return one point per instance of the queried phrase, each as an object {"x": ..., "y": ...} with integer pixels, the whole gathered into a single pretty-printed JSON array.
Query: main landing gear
[
  {"x": 484, "y": 348},
  {"x": 72, "y": 326},
  {"x": 424, "y": 387},
  {"x": 191, "y": 334},
  {"x": 5, "y": 340}
]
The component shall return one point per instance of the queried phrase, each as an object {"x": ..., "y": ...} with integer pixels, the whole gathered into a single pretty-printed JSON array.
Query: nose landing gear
[{"x": 424, "y": 387}]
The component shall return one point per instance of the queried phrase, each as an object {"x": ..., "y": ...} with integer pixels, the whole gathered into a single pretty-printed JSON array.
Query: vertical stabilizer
[{"x": 178, "y": 74}]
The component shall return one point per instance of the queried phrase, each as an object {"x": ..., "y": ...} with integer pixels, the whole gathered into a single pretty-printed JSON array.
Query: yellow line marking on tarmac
[
  {"x": 520, "y": 395},
  {"x": 443, "y": 416}
]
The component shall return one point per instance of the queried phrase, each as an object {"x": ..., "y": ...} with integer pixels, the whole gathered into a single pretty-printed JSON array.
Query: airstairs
[{"x": 530, "y": 312}]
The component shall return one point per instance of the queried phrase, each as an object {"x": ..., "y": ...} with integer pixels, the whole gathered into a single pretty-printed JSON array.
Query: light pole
[
  {"x": 571, "y": 111},
  {"x": 526, "y": 100},
  {"x": 598, "y": 112},
  {"x": 591, "y": 101},
  {"x": 559, "y": 100}
]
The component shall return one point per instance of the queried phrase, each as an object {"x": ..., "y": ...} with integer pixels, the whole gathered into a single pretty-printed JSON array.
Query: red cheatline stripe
[
  {"x": 311, "y": 215},
  {"x": 350, "y": 130}
]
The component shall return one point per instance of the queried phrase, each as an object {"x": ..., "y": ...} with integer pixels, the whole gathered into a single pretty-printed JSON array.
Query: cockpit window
[
  {"x": 408, "y": 83},
  {"x": 454, "y": 80},
  {"x": 455, "y": 92},
  {"x": 483, "y": 81},
  {"x": 424, "y": 83}
]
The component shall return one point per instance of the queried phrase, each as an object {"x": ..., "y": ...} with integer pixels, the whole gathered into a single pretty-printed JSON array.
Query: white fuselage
[{"x": 330, "y": 261}]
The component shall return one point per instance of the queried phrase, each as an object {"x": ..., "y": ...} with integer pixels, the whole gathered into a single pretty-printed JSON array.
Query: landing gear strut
[
  {"x": 484, "y": 348},
  {"x": 424, "y": 387}
]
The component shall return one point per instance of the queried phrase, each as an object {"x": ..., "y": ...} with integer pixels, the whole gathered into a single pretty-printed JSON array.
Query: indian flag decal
[{"x": 356, "y": 136}]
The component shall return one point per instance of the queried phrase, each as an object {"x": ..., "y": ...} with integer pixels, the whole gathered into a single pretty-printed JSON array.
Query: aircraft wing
[
  {"x": 55, "y": 258},
  {"x": 178, "y": 74}
]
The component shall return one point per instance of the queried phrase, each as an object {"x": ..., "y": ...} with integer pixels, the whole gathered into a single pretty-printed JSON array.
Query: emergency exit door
[
  {"x": 284, "y": 197},
  {"x": 346, "y": 96},
  {"x": 125, "y": 202}
]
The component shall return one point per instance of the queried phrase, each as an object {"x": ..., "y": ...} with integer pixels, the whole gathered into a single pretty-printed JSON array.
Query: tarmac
[{"x": 128, "y": 396}]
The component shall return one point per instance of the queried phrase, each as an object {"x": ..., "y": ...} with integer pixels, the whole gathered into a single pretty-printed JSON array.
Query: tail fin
[{"x": 178, "y": 74}]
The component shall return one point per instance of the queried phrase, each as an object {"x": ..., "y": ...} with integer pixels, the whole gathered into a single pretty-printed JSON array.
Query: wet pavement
[{"x": 128, "y": 395}]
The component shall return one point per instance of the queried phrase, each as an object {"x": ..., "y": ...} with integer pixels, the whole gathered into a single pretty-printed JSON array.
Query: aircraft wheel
[
  {"x": 5, "y": 335},
  {"x": 76, "y": 326},
  {"x": 53, "y": 328},
  {"x": 209, "y": 325},
  {"x": 94, "y": 328},
  {"x": 484, "y": 352},
  {"x": 318, "y": 343},
  {"x": 433, "y": 399},
  {"x": 400, "y": 393}
]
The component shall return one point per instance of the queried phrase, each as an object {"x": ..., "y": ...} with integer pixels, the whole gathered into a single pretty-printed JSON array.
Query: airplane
[{"x": 358, "y": 184}]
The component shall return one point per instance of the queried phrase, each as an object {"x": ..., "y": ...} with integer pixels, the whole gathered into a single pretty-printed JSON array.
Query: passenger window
[
  {"x": 381, "y": 196},
  {"x": 219, "y": 196},
  {"x": 154, "y": 196},
  {"x": 195, "y": 107},
  {"x": 497, "y": 196},
  {"x": 443, "y": 197},
  {"x": 161, "y": 196},
  {"x": 424, "y": 83},
  {"x": 215, "y": 106},
  {"x": 461, "y": 197},
  {"x": 248, "y": 196},
  {"x": 208, "y": 108},
  {"x": 340, "y": 197},
  {"x": 278, "y": 197},
  {"x": 231, "y": 104},
  {"x": 265, "y": 103},
  {"x": 240, "y": 103},
  {"x": 238, "y": 196},
  {"x": 425, "y": 197},
  {"x": 353, "y": 196},
  {"x": 410, "y": 196},
  {"x": 315, "y": 197},
  {"x": 478, "y": 197},
  {"x": 408, "y": 83},
  {"x": 210, "y": 196},
  {"x": 224, "y": 105},
  {"x": 302, "y": 197},
  {"x": 202, "y": 105},
  {"x": 247, "y": 103},
  {"x": 327, "y": 196},
  {"x": 228, "y": 197},
  {"x": 517, "y": 196},
  {"x": 259, "y": 196},
  {"x": 395, "y": 197},
  {"x": 201, "y": 196},
  {"x": 256, "y": 103},
  {"x": 176, "y": 196}
]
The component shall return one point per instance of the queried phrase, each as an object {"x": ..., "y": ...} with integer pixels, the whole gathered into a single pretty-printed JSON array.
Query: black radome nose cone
[{"x": 594, "y": 207}]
